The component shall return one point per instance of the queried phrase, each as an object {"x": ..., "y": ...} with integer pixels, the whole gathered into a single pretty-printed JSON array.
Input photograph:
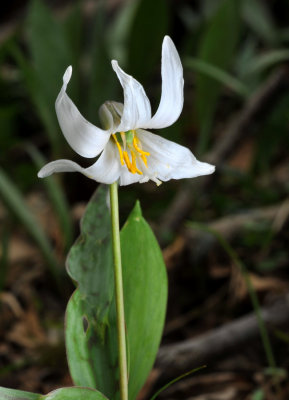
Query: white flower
[{"x": 128, "y": 152}]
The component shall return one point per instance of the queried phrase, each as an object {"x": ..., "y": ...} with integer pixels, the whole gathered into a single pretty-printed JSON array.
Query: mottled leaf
[
  {"x": 90, "y": 323},
  {"x": 90, "y": 319},
  {"x": 68, "y": 393},
  {"x": 12, "y": 394},
  {"x": 74, "y": 393}
]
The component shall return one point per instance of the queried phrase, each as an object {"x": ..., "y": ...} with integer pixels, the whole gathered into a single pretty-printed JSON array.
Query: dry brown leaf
[
  {"x": 20, "y": 249},
  {"x": 28, "y": 331},
  {"x": 173, "y": 251},
  {"x": 239, "y": 290},
  {"x": 229, "y": 393},
  {"x": 242, "y": 158},
  {"x": 12, "y": 302}
]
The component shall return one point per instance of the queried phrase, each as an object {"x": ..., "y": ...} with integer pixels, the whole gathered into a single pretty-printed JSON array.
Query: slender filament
[{"x": 133, "y": 144}]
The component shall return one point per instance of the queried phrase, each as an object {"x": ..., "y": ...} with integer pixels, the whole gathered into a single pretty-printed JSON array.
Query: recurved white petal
[
  {"x": 169, "y": 160},
  {"x": 85, "y": 138},
  {"x": 59, "y": 166},
  {"x": 107, "y": 168},
  {"x": 172, "y": 98},
  {"x": 137, "y": 108},
  {"x": 127, "y": 178}
]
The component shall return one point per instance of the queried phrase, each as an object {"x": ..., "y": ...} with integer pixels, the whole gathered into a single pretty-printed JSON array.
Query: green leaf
[
  {"x": 67, "y": 393},
  {"x": 16, "y": 203},
  {"x": 266, "y": 60},
  {"x": 90, "y": 320},
  {"x": 92, "y": 359},
  {"x": 150, "y": 25},
  {"x": 89, "y": 261},
  {"x": 145, "y": 295},
  {"x": 218, "y": 75},
  {"x": 74, "y": 393},
  {"x": 12, "y": 394},
  {"x": 217, "y": 48}
]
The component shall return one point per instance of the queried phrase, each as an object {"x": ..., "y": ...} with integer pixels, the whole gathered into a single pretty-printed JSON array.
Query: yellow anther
[
  {"x": 143, "y": 157},
  {"x": 143, "y": 153},
  {"x": 128, "y": 163},
  {"x": 133, "y": 161},
  {"x": 119, "y": 149}
]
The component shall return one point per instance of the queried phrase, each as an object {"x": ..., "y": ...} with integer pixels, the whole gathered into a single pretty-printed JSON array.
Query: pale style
[{"x": 128, "y": 152}]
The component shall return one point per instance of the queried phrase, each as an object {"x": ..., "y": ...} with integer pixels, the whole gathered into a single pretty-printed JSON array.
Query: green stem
[{"x": 118, "y": 292}]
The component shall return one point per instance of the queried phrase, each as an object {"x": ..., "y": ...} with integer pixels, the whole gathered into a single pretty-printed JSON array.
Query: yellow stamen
[
  {"x": 128, "y": 163},
  {"x": 133, "y": 161},
  {"x": 119, "y": 149},
  {"x": 143, "y": 153},
  {"x": 144, "y": 160}
]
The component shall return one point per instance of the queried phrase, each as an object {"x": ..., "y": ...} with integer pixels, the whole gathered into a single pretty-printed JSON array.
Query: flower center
[{"x": 128, "y": 142}]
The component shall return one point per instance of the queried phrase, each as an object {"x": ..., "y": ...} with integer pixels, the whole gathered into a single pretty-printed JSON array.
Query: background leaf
[
  {"x": 16, "y": 203},
  {"x": 150, "y": 25},
  {"x": 51, "y": 55},
  {"x": 102, "y": 79},
  {"x": 57, "y": 197},
  {"x": 217, "y": 47},
  {"x": 258, "y": 17}
]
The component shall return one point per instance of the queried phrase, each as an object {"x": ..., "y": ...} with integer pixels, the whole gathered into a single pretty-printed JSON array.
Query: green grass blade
[
  {"x": 218, "y": 75},
  {"x": 266, "y": 60},
  {"x": 14, "y": 200},
  {"x": 45, "y": 112},
  {"x": 192, "y": 371},
  {"x": 217, "y": 47},
  {"x": 252, "y": 293},
  {"x": 57, "y": 198}
]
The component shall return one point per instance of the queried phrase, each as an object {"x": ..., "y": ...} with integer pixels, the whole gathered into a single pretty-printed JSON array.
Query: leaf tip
[{"x": 136, "y": 212}]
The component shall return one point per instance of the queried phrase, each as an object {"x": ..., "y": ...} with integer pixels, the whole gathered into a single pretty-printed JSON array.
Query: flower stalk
[{"x": 118, "y": 292}]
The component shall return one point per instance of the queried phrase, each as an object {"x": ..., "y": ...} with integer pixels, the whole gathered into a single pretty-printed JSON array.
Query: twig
[
  {"x": 176, "y": 358},
  {"x": 228, "y": 227}
]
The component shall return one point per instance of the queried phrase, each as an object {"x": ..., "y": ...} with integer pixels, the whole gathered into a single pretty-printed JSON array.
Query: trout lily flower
[{"x": 128, "y": 152}]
